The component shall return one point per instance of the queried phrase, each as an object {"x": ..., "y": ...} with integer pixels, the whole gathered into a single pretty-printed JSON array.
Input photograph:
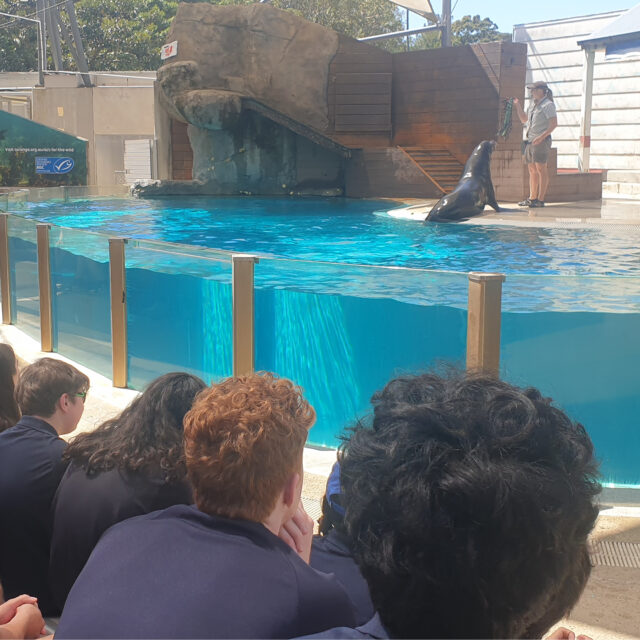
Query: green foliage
[
  {"x": 124, "y": 35},
  {"x": 469, "y": 30},
  {"x": 18, "y": 39}
]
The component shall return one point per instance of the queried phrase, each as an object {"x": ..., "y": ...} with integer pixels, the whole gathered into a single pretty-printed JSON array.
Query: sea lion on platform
[{"x": 472, "y": 193}]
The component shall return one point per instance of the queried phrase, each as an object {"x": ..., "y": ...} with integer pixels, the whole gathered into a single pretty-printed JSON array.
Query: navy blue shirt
[
  {"x": 85, "y": 506},
  {"x": 372, "y": 629},
  {"x": 30, "y": 471},
  {"x": 180, "y": 573},
  {"x": 331, "y": 553}
]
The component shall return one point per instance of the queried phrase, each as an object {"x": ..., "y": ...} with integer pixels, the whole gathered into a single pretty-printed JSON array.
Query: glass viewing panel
[
  {"x": 23, "y": 265},
  {"x": 179, "y": 307},
  {"x": 576, "y": 340},
  {"x": 81, "y": 297},
  {"x": 343, "y": 331}
]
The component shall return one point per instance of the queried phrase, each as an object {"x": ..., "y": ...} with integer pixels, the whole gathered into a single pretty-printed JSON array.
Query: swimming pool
[{"x": 346, "y": 298}]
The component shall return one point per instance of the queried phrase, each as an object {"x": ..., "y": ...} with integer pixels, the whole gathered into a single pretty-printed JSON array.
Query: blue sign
[{"x": 54, "y": 165}]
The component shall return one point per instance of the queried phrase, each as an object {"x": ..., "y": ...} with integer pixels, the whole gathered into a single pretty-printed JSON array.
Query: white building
[{"x": 556, "y": 57}]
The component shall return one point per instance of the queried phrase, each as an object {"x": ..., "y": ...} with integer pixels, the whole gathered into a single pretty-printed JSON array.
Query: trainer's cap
[{"x": 538, "y": 85}]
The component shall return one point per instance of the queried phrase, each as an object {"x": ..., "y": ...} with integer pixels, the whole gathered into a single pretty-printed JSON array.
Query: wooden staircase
[{"x": 438, "y": 165}]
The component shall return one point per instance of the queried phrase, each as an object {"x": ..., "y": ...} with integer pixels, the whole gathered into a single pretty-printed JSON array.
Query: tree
[
  {"x": 18, "y": 39},
  {"x": 467, "y": 30}
]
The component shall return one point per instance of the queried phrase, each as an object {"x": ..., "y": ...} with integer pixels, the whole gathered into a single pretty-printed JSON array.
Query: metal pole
[
  {"x": 584, "y": 155},
  {"x": 117, "y": 275},
  {"x": 44, "y": 286},
  {"x": 243, "y": 314},
  {"x": 5, "y": 273},
  {"x": 446, "y": 23},
  {"x": 483, "y": 324},
  {"x": 41, "y": 55}
]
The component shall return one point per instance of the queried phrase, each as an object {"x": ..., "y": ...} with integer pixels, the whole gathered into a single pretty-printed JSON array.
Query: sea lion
[{"x": 472, "y": 193}]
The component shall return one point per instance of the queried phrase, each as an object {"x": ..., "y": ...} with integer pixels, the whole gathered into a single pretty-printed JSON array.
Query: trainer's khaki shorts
[{"x": 537, "y": 152}]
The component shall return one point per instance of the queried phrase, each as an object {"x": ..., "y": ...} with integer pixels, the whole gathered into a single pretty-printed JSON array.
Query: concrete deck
[{"x": 589, "y": 213}]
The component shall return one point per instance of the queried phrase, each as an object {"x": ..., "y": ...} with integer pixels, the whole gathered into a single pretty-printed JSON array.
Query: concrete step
[
  {"x": 616, "y": 175},
  {"x": 612, "y": 189}
]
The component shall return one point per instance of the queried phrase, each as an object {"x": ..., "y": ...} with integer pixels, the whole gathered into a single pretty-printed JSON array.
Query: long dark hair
[
  {"x": 9, "y": 410},
  {"x": 146, "y": 437}
]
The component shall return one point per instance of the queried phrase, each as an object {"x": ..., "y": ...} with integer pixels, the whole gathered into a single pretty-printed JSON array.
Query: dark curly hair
[
  {"x": 9, "y": 410},
  {"x": 469, "y": 502},
  {"x": 146, "y": 437}
]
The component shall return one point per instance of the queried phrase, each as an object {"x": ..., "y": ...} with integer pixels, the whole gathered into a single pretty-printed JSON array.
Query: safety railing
[{"x": 134, "y": 309}]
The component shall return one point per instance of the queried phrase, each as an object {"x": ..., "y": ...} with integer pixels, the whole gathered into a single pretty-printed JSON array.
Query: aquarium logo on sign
[{"x": 54, "y": 165}]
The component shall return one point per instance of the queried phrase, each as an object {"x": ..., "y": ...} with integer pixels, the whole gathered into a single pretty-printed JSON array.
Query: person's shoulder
[
  {"x": 549, "y": 108},
  {"x": 372, "y": 629}
]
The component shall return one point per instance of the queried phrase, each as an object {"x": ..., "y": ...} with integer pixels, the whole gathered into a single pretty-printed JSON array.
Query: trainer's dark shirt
[
  {"x": 331, "y": 554},
  {"x": 30, "y": 471},
  {"x": 85, "y": 506},
  {"x": 180, "y": 573}
]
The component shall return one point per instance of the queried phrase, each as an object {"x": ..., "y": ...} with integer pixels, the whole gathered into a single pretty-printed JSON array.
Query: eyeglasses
[{"x": 81, "y": 394}]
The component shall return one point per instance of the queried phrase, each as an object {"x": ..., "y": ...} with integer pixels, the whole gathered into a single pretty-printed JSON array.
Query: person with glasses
[
  {"x": 130, "y": 465},
  {"x": 50, "y": 394},
  {"x": 541, "y": 119}
]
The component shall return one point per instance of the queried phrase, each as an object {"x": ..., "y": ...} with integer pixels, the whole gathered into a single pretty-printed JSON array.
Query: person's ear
[{"x": 291, "y": 495}]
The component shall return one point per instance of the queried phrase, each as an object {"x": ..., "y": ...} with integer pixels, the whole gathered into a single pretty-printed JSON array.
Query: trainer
[{"x": 541, "y": 119}]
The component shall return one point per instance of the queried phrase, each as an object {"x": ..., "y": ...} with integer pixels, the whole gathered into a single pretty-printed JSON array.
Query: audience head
[
  {"x": 54, "y": 391},
  {"x": 9, "y": 411},
  {"x": 244, "y": 440},
  {"x": 469, "y": 502},
  {"x": 147, "y": 436},
  {"x": 332, "y": 504}
]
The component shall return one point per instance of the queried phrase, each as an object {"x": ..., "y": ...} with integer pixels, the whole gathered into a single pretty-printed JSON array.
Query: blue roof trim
[{"x": 623, "y": 27}]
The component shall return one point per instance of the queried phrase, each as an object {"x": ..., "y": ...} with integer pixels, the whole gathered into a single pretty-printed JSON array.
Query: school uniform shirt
[
  {"x": 180, "y": 573},
  {"x": 331, "y": 553},
  {"x": 85, "y": 506},
  {"x": 372, "y": 629},
  {"x": 30, "y": 470}
]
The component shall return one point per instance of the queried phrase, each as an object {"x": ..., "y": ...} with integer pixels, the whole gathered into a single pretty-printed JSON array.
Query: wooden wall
[
  {"x": 181, "y": 152},
  {"x": 446, "y": 97},
  {"x": 359, "y": 95}
]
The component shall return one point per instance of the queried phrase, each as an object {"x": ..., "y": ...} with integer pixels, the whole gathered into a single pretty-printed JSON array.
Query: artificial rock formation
[{"x": 231, "y": 61}]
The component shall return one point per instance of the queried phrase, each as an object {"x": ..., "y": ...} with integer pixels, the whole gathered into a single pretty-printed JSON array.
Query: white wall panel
[{"x": 555, "y": 57}]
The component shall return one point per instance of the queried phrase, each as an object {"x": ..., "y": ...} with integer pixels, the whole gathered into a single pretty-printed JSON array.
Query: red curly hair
[{"x": 243, "y": 439}]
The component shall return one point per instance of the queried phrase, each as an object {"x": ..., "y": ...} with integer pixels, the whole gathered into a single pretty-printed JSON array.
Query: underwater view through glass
[{"x": 347, "y": 297}]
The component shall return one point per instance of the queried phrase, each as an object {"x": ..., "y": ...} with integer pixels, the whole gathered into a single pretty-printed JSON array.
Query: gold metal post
[
  {"x": 5, "y": 276},
  {"x": 243, "y": 314},
  {"x": 44, "y": 286},
  {"x": 483, "y": 325},
  {"x": 118, "y": 311}
]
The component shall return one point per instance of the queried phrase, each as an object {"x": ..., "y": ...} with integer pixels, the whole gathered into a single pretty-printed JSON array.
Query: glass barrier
[
  {"x": 81, "y": 297},
  {"x": 576, "y": 340},
  {"x": 343, "y": 331},
  {"x": 23, "y": 265},
  {"x": 179, "y": 307}
]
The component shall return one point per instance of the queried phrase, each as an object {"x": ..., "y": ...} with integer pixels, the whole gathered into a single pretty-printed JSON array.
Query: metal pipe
[
  {"x": 41, "y": 51},
  {"x": 397, "y": 34}
]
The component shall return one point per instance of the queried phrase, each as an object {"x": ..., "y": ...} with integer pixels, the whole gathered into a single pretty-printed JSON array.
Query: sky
[{"x": 505, "y": 13}]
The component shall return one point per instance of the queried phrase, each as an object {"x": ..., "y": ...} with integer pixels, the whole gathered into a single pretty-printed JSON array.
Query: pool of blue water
[
  {"x": 571, "y": 302},
  {"x": 349, "y": 231}
]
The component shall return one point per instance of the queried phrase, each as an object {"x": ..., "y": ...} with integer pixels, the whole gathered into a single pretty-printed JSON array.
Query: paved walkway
[{"x": 608, "y": 609}]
